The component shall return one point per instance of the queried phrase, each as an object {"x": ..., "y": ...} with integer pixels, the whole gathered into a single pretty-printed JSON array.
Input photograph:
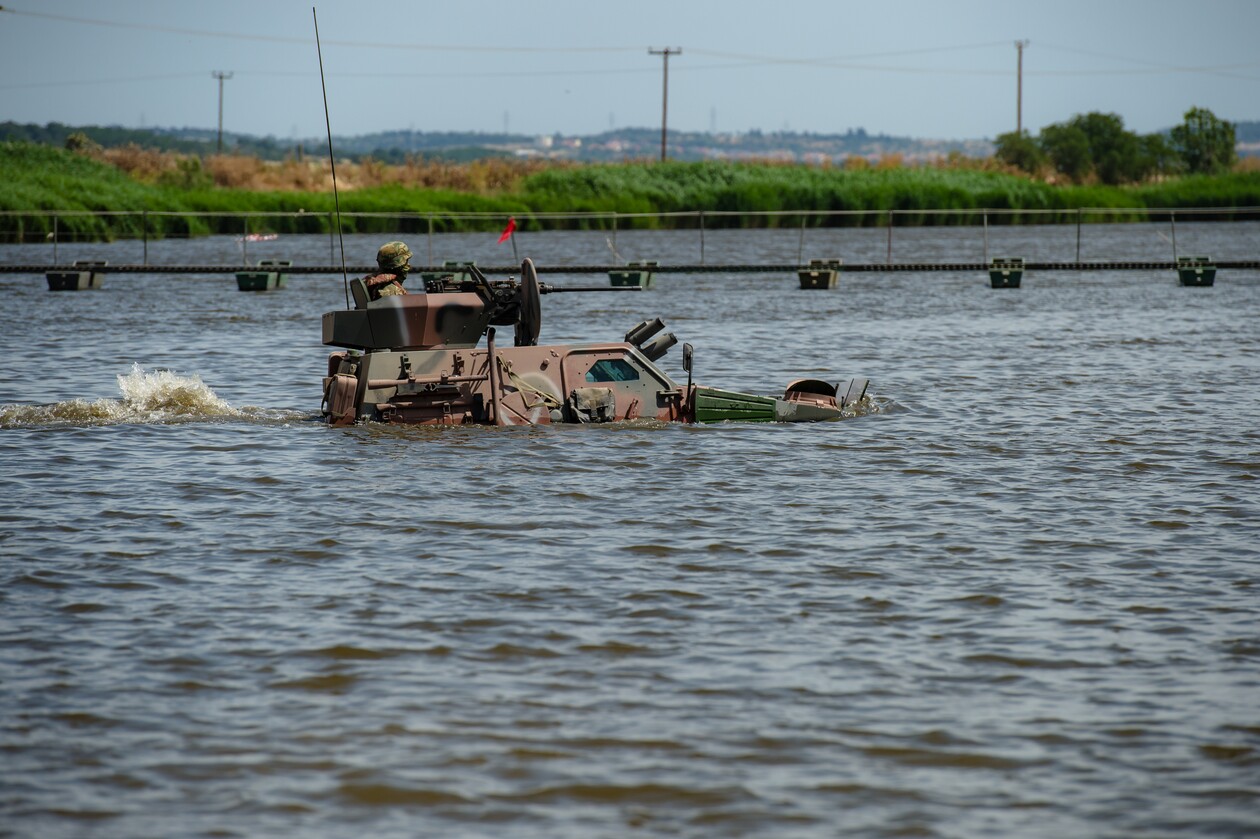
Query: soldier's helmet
[{"x": 395, "y": 257}]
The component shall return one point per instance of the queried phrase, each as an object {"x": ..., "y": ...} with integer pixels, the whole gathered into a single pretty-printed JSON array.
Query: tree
[
  {"x": 1098, "y": 144},
  {"x": 1068, "y": 149},
  {"x": 1158, "y": 157},
  {"x": 1016, "y": 148},
  {"x": 1204, "y": 143},
  {"x": 1114, "y": 151}
]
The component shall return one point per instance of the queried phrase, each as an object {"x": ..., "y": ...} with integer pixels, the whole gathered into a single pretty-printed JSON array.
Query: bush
[{"x": 1017, "y": 149}]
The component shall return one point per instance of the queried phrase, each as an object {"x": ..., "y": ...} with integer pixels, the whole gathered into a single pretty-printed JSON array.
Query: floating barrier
[
  {"x": 821, "y": 273},
  {"x": 636, "y": 274},
  {"x": 1196, "y": 271},
  {"x": 269, "y": 277},
  {"x": 1006, "y": 271},
  {"x": 454, "y": 268},
  {"x": 86, "y": 276},
  {"x": 682, "y": 268}
]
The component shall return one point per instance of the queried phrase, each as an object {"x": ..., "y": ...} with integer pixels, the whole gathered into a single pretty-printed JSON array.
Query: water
[{"x": 1017, "y": 599}]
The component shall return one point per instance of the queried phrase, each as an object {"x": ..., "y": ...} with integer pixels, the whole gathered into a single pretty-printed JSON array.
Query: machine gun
[{"x": 510, "y": 302}]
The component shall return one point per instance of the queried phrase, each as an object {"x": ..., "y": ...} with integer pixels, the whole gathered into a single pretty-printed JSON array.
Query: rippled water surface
[{"x": 1018, "y": 599}]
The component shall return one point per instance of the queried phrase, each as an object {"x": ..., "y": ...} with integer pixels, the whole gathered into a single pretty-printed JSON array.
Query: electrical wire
[{"x": 739, "y": 60}]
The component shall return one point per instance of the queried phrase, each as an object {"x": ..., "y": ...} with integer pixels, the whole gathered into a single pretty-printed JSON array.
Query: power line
[
  {"x": 843, "y": 58},
  {"x": 838, "y": 62},
  {"x": 741, "y": 60},
  {"x": 622, "y": 71},
  {"x": 279, "y": 39},
  {"x": 1153, "y": 66},
  {"x": 125, "y": 80}
]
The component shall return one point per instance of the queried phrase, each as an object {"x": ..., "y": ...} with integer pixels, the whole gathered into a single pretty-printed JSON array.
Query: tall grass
[
  {"x": 739, "y": 189},
  {"x": 36, "y": 177},
  {"x": 1238, "y": 189},
  {"x": 174, "y": 189},
  {"x": 483, "y": 177}
]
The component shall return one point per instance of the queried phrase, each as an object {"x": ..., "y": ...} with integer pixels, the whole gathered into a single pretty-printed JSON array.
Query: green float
[
  {"x": 636, "y": 275},
  {"x": 1006, "y": 271},
  {"x": 79, "y": 280},
  {"x": 269, "y": 276},
  {"x": 821, "y": 273},
  {"x": 1195, "y": 271}
]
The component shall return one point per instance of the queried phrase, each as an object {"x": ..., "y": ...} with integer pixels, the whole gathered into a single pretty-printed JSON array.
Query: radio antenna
[{"x": 332, "y": 162}]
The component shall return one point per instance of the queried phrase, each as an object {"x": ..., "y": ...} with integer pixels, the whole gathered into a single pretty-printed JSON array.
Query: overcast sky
[{"x": 923, "y": 68}]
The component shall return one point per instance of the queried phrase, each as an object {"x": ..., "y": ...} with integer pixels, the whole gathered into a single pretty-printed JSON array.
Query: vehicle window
[{"x": 612, "y": 370}]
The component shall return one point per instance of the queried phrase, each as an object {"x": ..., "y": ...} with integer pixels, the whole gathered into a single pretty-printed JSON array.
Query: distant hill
[
  {"x": 645, "y": 143},
  {"x": 616, "y": 145},
  {"x": 1247, "y": 132},
  {"x": 609, "y": 146},
  {"x": 1248, "y": 136},
  {"x": 185, "y": 140}
]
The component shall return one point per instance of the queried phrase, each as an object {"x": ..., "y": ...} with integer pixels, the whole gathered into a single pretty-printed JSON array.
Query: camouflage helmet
[{"x": 394, "y": 256}]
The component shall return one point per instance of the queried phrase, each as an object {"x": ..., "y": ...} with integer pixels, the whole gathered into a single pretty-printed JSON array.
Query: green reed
[{"x": 38, "y": 180}]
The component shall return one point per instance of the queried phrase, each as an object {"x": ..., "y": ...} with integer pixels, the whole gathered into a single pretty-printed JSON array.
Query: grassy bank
[
  {"x": 40, "y": 178},
  {"x": 916, "y": 194}
]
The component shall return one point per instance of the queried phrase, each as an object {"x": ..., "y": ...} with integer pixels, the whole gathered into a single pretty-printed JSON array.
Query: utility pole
[
  {"x": 220, "y": 75},
  {"x": 665, "y": 54},
  {"x": 1019, "y": 87}
]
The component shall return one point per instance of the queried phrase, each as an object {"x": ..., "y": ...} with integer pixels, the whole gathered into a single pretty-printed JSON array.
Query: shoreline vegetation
[{"x": 128, "y": 192}]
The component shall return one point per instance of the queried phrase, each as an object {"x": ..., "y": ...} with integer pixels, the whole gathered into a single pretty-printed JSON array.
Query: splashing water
[{"x": 148, "y": 397}]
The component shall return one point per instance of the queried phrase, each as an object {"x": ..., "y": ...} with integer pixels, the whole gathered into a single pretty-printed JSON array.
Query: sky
[{"x": 940, "y": 69}]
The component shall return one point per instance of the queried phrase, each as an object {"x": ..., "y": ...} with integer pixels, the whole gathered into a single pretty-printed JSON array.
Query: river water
[{"x": 1018, "y": 597}]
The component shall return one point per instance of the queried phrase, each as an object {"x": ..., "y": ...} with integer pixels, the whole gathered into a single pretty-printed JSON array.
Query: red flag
[{"x": 507, "y": 231}]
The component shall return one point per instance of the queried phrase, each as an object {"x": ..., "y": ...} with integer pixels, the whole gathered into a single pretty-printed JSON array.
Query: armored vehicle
[{"x": 414, "y": 358}]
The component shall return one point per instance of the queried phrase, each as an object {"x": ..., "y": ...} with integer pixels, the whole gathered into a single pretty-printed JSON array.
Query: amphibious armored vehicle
[{"x": 414, "y": 358}]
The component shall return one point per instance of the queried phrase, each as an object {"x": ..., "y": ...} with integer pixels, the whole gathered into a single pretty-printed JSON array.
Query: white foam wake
[{"x": 147, "y": 397}]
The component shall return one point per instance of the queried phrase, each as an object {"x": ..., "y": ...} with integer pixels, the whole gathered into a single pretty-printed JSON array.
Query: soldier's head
[{"x": 394, "y": 257}]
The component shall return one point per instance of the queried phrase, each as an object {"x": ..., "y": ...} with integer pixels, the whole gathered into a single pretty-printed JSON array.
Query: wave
[
  {"x": 158, "y": 396},
  {"x": 164, "y": 396}
]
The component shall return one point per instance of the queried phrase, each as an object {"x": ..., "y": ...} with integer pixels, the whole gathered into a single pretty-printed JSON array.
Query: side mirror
[{"x": 688, "y": 351}]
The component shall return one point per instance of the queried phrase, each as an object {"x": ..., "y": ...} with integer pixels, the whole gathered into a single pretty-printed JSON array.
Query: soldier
[{"x": 394, "y": 260}]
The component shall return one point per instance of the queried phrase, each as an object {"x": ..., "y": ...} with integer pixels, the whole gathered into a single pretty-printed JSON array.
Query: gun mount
[{"x": 454, "y": 311}]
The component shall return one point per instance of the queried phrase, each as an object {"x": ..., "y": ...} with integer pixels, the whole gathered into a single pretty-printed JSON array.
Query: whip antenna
[{"x": 332, "y": 162}]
